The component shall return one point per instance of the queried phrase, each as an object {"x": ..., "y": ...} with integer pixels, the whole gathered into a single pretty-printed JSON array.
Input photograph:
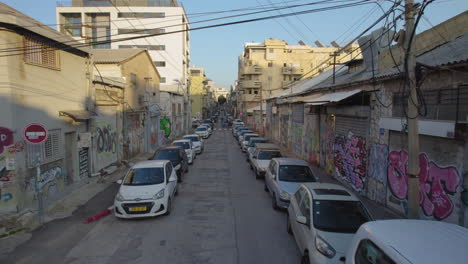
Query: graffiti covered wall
[
  {"x": 439, "y": 178},
  {"x": 327, "y": 141},
  {"x": 311, "y": 145},
  {"x": 105, "y": 138},
  {"x": 377, "y": 171},
  {"x": 8, "y": 173}
]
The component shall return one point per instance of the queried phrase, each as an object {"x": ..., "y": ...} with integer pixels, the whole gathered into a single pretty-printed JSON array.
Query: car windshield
[
  {"x": 185, "y": 145},
  {"x": 144, "y": 176},
  {"x": 193, "y": 139},
  {"x": 168, "y": 154},
  {"x": 339, "y": 216},
  {"x": 202, "y": 129},
  {"x": 247, "y": 138},
  {"x": 253, "y": 142},
  {"x": 295, "y": 173},
  {"x": 268, "y": 155}
]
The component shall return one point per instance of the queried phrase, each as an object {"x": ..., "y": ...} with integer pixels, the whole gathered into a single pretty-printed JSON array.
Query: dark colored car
[{"x": 177, "y": 156}]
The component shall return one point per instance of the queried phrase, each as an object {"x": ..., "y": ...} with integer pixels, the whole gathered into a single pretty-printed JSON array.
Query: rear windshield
[
  {"x": 193, "y": 139},
  {"x": 254, "y": 141},
  {"x": 247, "y": 138},
  {"x": 268, "y": 155},
  {"x": 185, "y": 145},
  {"x": 167, "y": 154},
  {"x": 339, "y": 216},
  {"x": 295, "y": 173},
  {"x": 144, "y": 176},
  {"x": 201, "y": 129}
]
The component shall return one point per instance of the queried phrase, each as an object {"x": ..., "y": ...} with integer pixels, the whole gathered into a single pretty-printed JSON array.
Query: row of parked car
[
  {"x": 149, "y": 187},
  {"x": 330, "y": 224}
]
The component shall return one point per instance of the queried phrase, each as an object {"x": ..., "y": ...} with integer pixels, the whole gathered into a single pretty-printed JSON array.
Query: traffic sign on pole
[{"x": 35, "y": 133}]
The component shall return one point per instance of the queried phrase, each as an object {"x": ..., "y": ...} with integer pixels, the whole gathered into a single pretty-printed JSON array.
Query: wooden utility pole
[{"x": 413, "y": 112}]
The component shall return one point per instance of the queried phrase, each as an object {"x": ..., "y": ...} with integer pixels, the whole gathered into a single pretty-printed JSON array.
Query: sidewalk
[{"x": 62, "y": 208}]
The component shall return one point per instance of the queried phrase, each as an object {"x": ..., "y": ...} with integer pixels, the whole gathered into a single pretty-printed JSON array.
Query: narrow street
[{"x": 222, "y": 215}]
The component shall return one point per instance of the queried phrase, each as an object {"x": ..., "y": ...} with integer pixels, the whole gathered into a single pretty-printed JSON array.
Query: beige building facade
[
  {"x": 268, "y": 68},
  {"x": 197, "y": 91}
]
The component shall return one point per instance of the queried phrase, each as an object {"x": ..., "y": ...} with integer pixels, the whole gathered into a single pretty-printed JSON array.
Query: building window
[
  {"x": 160, "y": 63},
  {"x": 133, "y": 81},
  {"x": 179, "y": 108},
  {"x": 173, "y": 109},
  {"x": 142, "y": 15},
  {"x": 250, "y": 91},
  {"x": 162, "y": 80},
  {"x": 195, "y": 72},
  {"x": 39, "y": 53},
  {"x": 270, "y": 78},
  {"x": 72, "y": 24},
  {"x": 271, "y": 50},
  {"x": 100, "y": 29},
  {"x": 148, "y": 47},
  {"x": 255, "y": 91},
  {"x": 141, "y": 31},
  {"x": 270, "y": 64}
]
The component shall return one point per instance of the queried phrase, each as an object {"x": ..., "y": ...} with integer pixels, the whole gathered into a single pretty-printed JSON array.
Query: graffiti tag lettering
[
  {"x": 6, "y": 197},
  {"x": 17, "y": 147},
  {"x": 378, "y": 163},
  {"x": 49, "y": 176},
  {"x": 350, "y": 160},
  {"x": 6, "y": 138},
  {"x": 106, "y": 139},
  {"x": 435, "y": 183}
]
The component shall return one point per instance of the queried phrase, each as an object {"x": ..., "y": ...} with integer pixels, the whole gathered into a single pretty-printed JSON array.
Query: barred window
[{"x": 40, "y": 53}]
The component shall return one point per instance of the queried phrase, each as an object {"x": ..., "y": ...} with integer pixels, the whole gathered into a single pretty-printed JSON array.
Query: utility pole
[{"x": 413, "y": 106}]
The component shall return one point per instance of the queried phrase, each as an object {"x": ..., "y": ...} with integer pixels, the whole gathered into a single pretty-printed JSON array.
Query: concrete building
[
  {"x": 140, "y": 103},
  {"x": 197, "y": 91},
  {"x": 354, "y": 123},
  {"x": 90, "y": 21},
  {"x": 48, "y": 82},
  {"x": 268, "y": 68},
  {"x": 220, "y": 91}
]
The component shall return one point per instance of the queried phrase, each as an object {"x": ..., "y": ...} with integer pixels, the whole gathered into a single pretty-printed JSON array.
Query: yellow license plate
[{"x": 138, "y": 209}]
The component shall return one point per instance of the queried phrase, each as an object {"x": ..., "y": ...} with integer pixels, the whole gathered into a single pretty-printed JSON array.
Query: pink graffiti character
[
  {"x": 435, "y": 183},
  {"x": 6, "y": 138},
  {"x": 397, "y": 177}
]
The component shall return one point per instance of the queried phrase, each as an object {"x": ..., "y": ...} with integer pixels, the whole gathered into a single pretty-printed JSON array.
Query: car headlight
[
  {"x": 119, "y": 197},
  {"x": 284, "y": 195},
  {"x": 323, "y": 247},
  {"x": 159, "y": 195},
  {"x": 177, "y": 167}
]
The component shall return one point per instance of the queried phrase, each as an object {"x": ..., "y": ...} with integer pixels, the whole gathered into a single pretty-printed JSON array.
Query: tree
[{"x": 221, "y": 99}]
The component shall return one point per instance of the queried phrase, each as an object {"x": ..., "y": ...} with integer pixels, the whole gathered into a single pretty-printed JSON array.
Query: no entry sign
[{"x": 35, "y": 133}]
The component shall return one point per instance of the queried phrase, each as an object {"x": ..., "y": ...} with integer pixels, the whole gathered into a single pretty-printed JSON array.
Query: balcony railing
[
  {"x": 251, "y": 97},
  {"x": 252, "y": 70},
  {"x": 293, "y": 70},
  {"x": 118, "y": 3},
  {"x": 251, "y": 84}
]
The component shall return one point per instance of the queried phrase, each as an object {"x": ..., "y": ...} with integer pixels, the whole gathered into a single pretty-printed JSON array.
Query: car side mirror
[
  {"x": 119, "y": 182},
  {"x": 301, "y": 219}
]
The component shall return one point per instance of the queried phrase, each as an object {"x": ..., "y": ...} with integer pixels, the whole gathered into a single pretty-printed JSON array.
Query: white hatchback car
[
  {"x": 187, "y": 145},
  {"x": 324, "y": 218},
  {"x": 148, "y": 189},
  {"x": 197, "y": 142}
]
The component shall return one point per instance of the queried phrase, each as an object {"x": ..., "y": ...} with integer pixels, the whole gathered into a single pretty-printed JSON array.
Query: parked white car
[
  {"x": 187, "y": 145},
  {"x": 197, "y": 142},
  {"x": 406, "y": 241},
  {"x": 323, "y": 218},
  {"x": 261, "y": 158},
  {"x": 202, "y": 132},
  {"x": 208, "y": 127},
  {"x": 147, "y": 189},
  {"x": 245, "y": 140}
]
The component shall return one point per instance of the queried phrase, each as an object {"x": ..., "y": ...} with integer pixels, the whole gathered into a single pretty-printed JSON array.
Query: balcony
[
  {"x": 251, "y": 84},
  {"x": 251, "y": 70},
  {"x": 250, "y": 97},
  {"x": 293, "y": 70},
  {"x": 122, "y": 3}
]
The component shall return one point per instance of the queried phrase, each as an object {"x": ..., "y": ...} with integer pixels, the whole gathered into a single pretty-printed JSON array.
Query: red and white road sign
[{"x": 35, "y": 133}]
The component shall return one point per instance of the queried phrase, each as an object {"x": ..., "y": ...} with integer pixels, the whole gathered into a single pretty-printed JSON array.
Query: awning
[
  {"x": 77, "y": 115},
  {"x": 331, "y": 97}
]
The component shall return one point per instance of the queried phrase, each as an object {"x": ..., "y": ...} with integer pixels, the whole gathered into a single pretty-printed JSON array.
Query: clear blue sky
[{"x": 217, "y": 49}]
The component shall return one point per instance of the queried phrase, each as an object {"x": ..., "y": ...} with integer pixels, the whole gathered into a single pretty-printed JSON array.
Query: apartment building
[
  {"x": 197, "y": 91},
  {"x": 268, "y": 68}
]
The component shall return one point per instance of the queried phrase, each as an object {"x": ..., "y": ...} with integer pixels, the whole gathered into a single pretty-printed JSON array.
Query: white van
[{"x": 408, "y": 242}]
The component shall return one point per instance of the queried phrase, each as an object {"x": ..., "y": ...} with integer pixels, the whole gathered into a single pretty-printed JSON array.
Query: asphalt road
[{"x": 222, "y": 215}]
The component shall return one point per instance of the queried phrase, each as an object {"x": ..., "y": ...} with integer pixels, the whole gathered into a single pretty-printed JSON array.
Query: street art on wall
[
  {"x": 327, "y": 140},
  {"x": 350, "y": 156},
  {"x": 106, "y": 138},
  {"x": 311, "y": 144},
  {"x": 6, "y": 138},
  {"x": 378, "y": 162},
  {"x": 437, "y": 185},
  {"x": 284, "y": 124},
  {"x": 49, "y": 177},
  {"x": 16, "y": 148},
  {"x": 165, "y": 125}
]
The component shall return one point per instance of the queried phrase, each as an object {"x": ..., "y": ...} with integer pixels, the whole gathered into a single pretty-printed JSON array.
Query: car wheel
[
  {"x": 288, "y": 225},
  {"x": 169, "y": 207},
  {"x": 265, "y": 188},
  {"x": 305, "y": 258},
  {"x": 274, "y": 204}
]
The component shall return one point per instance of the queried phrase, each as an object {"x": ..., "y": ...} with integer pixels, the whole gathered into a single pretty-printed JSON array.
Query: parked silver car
[
  {"x": 197, "y": 142},
  {"x": 246, "y": 139},
  {"x": 283, "y": 177},
  {"x": 261, "y": 157}
]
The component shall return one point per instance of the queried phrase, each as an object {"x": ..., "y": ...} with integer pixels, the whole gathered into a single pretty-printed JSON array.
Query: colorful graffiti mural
[
  {"x": 311, "y": 144},
  {"x": 165, "y": 125},
  {"x": 350, "y": 156},
  {"x": 49, "y": 177},
  {"x": 17, "y": 147},
  {"x": 436, "y": 184},
  {"x": 327, "y": 141},
  {"x": 296, "y": 131},
  {"x": 6, "y": 138}
]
